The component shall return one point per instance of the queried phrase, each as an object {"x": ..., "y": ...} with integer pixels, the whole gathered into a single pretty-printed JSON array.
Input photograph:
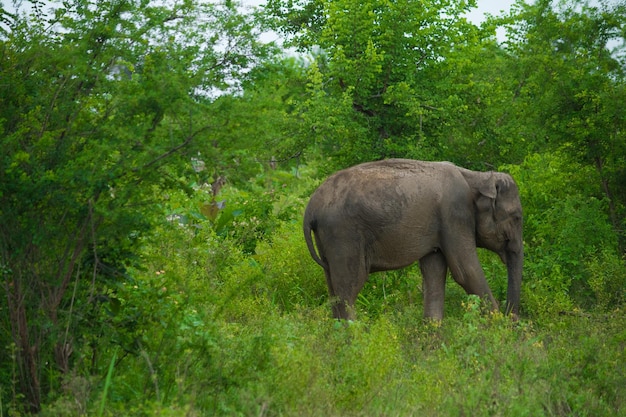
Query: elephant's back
[
  {"x": 374, "y": 179},
  {"x": 395, "y": 170},
  {"x": 379, "y": 193},
  {"x": 383, "y": 205}
]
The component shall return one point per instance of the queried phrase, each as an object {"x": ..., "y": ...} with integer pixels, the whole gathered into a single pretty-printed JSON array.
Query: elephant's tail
[{"x": 309, "y": 227}]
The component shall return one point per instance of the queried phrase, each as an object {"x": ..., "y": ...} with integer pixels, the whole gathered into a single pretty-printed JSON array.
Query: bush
[
  {"x": 607, "y": 279},
  {"x": 206, "y": 328},
  {"x": 566, "y": 227}
]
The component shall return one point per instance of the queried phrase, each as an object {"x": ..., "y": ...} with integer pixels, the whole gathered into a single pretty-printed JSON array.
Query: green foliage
[
  {"x": 290, "y": 281},
  {"x": 371, "y": 73},
  {"x": 251, "y": 334},
  {"x": 255, "y": 127},
  {"x": 152, "y": 187},
  {"x": 205, "y": 328},
  {"x": 565, "y": 227},
  {"x": 607, "y": 279},
  {"x": 571, "y": 86},
  {"x": 100, "y": 101}
]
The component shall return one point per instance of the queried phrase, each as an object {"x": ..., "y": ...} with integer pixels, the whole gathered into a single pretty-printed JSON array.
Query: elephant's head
[{"x": 499, "y": 225}]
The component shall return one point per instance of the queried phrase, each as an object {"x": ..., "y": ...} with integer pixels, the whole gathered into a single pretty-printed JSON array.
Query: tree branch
[{"x": 175, "y": 149}]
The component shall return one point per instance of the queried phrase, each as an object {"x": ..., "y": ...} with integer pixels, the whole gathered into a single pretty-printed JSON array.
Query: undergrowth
[
  {"x": 220, "y": 323},
  {"x": 256, "y": 339}
]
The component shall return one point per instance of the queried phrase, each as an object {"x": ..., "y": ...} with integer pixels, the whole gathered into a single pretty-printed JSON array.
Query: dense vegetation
[{"x": 156, "y": 159}]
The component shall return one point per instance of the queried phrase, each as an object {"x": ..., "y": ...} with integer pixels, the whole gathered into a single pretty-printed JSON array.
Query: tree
[
  {"x": 373, "y": 65},
  {"x": 255, "y": 125},
  {"x": 101, "y": 105},
  {"x": 572, "y": 84}
]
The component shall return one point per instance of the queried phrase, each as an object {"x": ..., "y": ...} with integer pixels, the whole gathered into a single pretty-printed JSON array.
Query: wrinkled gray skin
[{"x": 388, "y": 214}]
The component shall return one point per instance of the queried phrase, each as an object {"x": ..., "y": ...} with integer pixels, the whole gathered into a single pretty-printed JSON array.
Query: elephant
[{"x": 388, "y": 214}]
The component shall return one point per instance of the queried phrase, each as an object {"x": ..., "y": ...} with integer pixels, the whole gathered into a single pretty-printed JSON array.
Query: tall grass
[
  {"x": 233, "y": 333},
  {"x": 107, "y": 384}
]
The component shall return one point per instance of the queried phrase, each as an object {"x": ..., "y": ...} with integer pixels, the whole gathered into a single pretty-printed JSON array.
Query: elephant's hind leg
[
  {"x": 434, "y": 269},
  {"x": 345, "y": 279}
]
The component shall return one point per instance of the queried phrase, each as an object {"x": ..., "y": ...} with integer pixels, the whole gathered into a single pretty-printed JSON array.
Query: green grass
[
  {"x": 212, "y": 331},
  {"x": 303, "y": 363}
]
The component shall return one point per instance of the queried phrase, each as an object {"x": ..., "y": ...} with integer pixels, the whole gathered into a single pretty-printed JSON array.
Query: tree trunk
[
  {"x": 25, "y": 352},
  {"x": 604, "y": 182}
]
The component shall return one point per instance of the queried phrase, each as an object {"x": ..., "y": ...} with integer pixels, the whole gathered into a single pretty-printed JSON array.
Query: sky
[
  {"x": 493, "y": 7},
  {"x": 476, "y": 16}
]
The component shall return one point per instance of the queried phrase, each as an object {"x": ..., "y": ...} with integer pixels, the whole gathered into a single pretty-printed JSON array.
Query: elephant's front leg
[
  {"x": 468, "y": 273},
  {"x": 434, "y": 269}
]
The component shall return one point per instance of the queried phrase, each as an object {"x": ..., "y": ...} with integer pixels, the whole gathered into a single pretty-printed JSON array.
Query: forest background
[{"x": 156, "y": 159}]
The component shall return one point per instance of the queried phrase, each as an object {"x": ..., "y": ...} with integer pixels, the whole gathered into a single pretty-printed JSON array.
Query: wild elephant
[{"x": 386, "y": 215}]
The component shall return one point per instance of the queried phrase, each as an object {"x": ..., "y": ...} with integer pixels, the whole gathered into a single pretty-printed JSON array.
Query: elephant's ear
[
  {"x": 486, "y": 193},
  {"x": 488, "y": 187}
]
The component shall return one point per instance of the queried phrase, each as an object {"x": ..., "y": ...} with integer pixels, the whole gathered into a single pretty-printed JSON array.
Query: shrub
[
  {"x": 205, "y": 328},
  {"x": 607, "y": 278},
  {"x": 290, "y": 277},
  {"x": 565, "y": 225}
]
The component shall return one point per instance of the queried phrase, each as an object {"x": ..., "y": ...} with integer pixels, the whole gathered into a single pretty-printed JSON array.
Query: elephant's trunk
[{"x": 514, "y": 263}]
